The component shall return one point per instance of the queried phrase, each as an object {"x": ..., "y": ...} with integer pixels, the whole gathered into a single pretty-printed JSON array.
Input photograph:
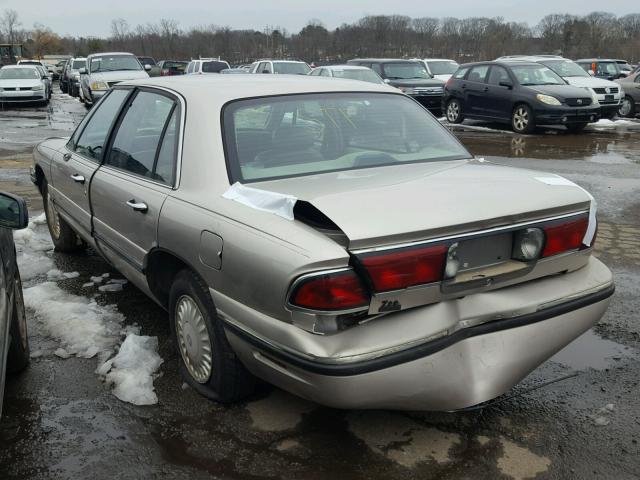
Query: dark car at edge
[
  {"x": 523, "y": 94},
  {"x": 411, "y": 77}
]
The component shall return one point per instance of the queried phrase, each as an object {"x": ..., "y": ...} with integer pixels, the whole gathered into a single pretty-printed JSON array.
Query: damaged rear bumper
[{"x": 483, "y": 356}]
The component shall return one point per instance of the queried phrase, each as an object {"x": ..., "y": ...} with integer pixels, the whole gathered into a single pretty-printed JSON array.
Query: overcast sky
[{"x": 93, "y": 17}]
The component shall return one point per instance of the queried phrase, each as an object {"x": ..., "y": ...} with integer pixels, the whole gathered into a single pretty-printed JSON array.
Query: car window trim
[
  {"x": 109, "y": 129},
  {"x": 161, "y": 141},
  {"x": 178, "y": 103},
  {"x": 234, "y": 174}
]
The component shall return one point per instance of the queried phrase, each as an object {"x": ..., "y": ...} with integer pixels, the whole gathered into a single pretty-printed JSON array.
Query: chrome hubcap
[
  {"x": 625, "y": 108},
  {"x": 193, "y": 339},
  {"x": 52, "y": 218},
  {"x": 453, "y": 109},
  {"x": 521, "y": 119}
]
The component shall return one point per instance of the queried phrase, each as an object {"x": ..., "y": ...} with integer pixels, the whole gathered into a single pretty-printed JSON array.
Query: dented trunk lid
[{"x": 404, "y": 203}]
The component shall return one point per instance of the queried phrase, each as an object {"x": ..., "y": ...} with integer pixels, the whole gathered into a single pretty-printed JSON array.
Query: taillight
[
  {"x": 396, "y": 269},
  {"x": 449, "y": 82},
  {"x": 564, "y": 236},
  {"x": 340, "y": 290}
]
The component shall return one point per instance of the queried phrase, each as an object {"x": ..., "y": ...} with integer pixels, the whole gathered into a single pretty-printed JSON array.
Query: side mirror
[
  {"x": 83, "y": 71},
  {"x": 386, "y": 80},
  {"x": 13, "y": 212},
  {"x": 147, "y": 68},
  {"x": 509, "y": 85}
]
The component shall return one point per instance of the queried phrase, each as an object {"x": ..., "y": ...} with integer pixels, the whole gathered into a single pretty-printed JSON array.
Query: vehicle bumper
[
  {"x": 433, "y": 103},
  {"x": 566, "y": 115},
  {"x": 499, "y": 339},
  {"x": 608, "y": 110},
  {"x": 24, "y": 96}
]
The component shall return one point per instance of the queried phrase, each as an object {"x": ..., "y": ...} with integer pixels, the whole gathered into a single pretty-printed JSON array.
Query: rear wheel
[
  {"x": 207, "y": 361},
  {"x": 18, "y": 355},
  {"x": 522, "y": 119},
  {"x": 576, "y": 127},
  {"x": 63, "y": 236},
  {"x": 454, "y": 111},
  {"x": 627, "y": 107}
]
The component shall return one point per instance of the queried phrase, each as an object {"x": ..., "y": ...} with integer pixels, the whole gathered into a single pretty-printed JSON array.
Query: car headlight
[
  {"x": 548, "y": 99},
  {"x": 621, "y": 92},
  {"x": 99, "y": 86},
  {"x": 38, "y": 87},
  {"x": 407, "y": 90}
]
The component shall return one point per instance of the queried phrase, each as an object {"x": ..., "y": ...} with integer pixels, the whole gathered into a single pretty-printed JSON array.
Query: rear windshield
[
  {"x": 294, "y": 135},
  {"x": 439, "y": 67},
  {"x": 291, "y": 68},
  {"x": 214, "y": 67}
]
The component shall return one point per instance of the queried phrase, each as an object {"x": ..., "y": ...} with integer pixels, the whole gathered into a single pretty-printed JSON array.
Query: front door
[
  {"x": 137, "y": 175},
  {"x": 74, "y": 165}
]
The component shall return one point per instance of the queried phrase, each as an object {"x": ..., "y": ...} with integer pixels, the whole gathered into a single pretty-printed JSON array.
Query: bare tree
[{"x": 9, "y": 24}]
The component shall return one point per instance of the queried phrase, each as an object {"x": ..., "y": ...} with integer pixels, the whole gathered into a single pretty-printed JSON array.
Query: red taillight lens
[
  {"x": 331, "y": 291},
  {"x": 449, "y": 82},
  {"x": 565, "y": 236},
  {"x": 393, "y": 270}
]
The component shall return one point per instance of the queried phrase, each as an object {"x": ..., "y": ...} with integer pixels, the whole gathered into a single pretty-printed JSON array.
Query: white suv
[
  {"x": 206, "y": 65},
  {"x": 609, "y": 94}
]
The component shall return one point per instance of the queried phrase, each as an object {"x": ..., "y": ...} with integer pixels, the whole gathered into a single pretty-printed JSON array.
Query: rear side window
[
  {"x": 93, "y": 137},
  {"x": 137, "y": 145},
  {"x": 478, "y": 74},
  {"x": 213, "y": 67},
  {"x": 461, "y": 72}
]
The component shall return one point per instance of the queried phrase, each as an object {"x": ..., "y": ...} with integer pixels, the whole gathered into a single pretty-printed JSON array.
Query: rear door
[
  {"x": 497, "y": 102},
  {"x": 138, "y": 173},
  {"x": 73, "y": 167},
  {"x": 475, "y": 91}
]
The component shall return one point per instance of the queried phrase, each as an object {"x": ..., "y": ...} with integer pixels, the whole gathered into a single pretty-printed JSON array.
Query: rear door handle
[
  {"x": 77, "y": 178},
  {"x": 138, "y": 206}
]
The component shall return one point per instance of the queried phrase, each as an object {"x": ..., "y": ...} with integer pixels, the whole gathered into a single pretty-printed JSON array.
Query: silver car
[
  {"x": 104, "y": 70},
  {"x": 24, "y": 84},
  {"x": 328, "y": 236}
]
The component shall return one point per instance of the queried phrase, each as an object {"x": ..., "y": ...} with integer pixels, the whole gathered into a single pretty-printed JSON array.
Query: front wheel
[
  {"x": 522, "y": 119},
  {"x": 18, "y": 355},
  {"x": 207, "y": 361},
  {"x": 454, "y": 111},
  {"x": 63, "y": 236},
  {"x": 576, "y": 127},
  {"x": 627, "y": 107}
]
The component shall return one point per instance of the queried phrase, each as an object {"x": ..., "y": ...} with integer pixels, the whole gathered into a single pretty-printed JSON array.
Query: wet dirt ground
[{"x": 61, "y": 421}]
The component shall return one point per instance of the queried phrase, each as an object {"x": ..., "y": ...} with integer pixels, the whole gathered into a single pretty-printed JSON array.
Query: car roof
[
  {"x": 385, "y": 60},
  {"x": 596, "y": 60},
  {"x": 107, "y": 54},
  {"x": 221, "y": 89},
  {"x": 437, "y": 60},
  {"x": 504, "y": 63},
  {"x": 22, "y": 65},
  {"x": 345, "y": 67}
]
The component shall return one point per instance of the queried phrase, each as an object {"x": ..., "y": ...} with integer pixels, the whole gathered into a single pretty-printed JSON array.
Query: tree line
[{"x": 597, "y": 34}]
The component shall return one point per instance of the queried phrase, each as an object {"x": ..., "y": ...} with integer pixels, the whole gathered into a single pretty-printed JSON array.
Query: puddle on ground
[{"x": 591, "y": 351}]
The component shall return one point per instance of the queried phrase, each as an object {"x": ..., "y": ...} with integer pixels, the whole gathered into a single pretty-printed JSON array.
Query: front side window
[
  {"x": 405, "y": 71},
  {"x": 287, "y": 136},
  {"x": 607, "y": 68},
  {"x": 114, "y": 63},
  {"x": 497, "y": 75},
  {"x": 136, "y": 145},
  {"x": 93, "y": 137},
  {"x": 528, "y": 75}
]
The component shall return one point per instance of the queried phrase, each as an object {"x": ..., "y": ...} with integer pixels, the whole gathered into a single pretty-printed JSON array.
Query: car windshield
[
  {"x": 19, "y": 73},
  {"x": 405, "y": 71},
  {"x": 536, "y": 75},
  {"x": 566, "y": 68},
  {"x": 213, "y": 67},
  {"x": 607, "y": 68},
  {"x": 364, "y": 75},
  {"x": 114, "y": 63},
  {"x": 78, "y": 64},
  {"x": 294, "y": 135},
  {"x": 447, "y": 67},
  {"x": 291, "y": 68}
]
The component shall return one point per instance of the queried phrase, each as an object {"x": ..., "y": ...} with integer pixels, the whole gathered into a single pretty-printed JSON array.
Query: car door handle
[
  {"x": 486, "y": 89},
  {"x": 66, "y": 157},
  {"x": 138, "y": 206},
  {"x": 77, "y": 178}
]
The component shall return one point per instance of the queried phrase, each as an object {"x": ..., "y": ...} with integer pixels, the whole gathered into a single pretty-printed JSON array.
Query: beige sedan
[{"x": 328, "y": 236}]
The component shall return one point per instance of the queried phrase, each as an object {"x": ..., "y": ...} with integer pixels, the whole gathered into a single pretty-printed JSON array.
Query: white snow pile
[
  {"x": 606, "y": 123},
  {"x": 82, "y": 327},
  {"x": 32, "y": 243},
  {"x": 133, "y": 370}
]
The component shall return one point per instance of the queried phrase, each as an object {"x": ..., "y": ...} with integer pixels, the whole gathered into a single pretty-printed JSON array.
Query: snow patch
[
  {"x": 133, "y": 369},
  {"x": 32, "y": 243},
  {"x": 55, "y": 275},
  {"x": 111, "y": 287},
  {"x": 606, "y": 123}
]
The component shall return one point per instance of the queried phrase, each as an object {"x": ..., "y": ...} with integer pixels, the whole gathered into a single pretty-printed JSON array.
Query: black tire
[
  {"x": 453, "y": 111},
  {"x": 576, "y": 127},
  {"x": 63, "y": 236},
  {"x": 522, "y": 120},
  {"x": 627, "y": 108},
  {"x": 18, "y": 355},
  {"x": 228, "y": 379}
]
